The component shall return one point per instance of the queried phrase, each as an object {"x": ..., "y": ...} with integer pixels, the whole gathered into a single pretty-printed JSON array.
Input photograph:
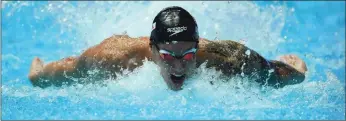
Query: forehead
[{"x": 177, "y": 46}]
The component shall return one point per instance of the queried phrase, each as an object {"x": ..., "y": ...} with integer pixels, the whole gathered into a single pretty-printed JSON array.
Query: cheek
[
  {"x": 191, "y": 64},
  {"x": 162, "y": 65}
]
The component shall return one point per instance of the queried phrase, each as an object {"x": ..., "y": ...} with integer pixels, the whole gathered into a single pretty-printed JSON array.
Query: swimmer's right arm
[
  {"x": 54, "y": 73},
  {"x": 111, "y": 55},
  {"x": 65, "y": 71}
]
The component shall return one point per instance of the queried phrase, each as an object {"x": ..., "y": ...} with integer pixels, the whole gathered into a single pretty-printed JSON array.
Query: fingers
[
  {"x": 298, "y": 63},
  {"x": 283, "y": 58},
  {"x": 36, "y": 67},
  {"x": 286, "y": 59}
]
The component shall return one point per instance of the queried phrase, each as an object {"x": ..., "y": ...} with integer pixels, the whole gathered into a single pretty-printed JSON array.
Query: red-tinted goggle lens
[{"x": 188, "y": 55}]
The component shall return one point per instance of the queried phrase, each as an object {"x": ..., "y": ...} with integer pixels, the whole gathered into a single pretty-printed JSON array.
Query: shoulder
[
  {"x": 116, "y": 48},
  {"x": 116, "y": 44},
  {"x": 226, "y": 55},
  {"x": 224, "y": 48}
]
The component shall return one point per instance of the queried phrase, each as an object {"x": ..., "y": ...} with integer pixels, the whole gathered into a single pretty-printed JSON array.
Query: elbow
[
  {"x": 36, "y": 81},
  {"x": 33, "y": 79},
  {"x": 299, "y": 78},
  {"x": 280, "y": 81}
]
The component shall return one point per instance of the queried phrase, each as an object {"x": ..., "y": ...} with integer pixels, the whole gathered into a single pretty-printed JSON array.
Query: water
[{"x": 315, "y": 31}]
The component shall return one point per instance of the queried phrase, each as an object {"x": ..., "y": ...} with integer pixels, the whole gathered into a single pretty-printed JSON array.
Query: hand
[
  {"x": 295, "y": 62},
  {"x": 36, "y": 67}
]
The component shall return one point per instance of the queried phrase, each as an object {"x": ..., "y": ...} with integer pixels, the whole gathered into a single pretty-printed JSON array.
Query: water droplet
[
  {"x": 248, "y": 52},
  {"x": 242, "y": 41},
  {"x": 292, "y": 9},
  {"x": 183, "y": 101},
  {"x": 271, "y": 70}
]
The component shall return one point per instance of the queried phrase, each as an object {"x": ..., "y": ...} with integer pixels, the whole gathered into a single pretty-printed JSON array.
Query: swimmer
[{"x": 175, "y": 46}]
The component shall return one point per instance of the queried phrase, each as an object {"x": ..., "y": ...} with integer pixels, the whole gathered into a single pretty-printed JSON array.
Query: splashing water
[{"x": 53, "y": 30}]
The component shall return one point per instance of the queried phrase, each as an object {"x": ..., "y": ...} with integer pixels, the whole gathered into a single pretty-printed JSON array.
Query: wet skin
[
  {"x": 175, "y": 71},
  {"x": 120, "y": 52}
]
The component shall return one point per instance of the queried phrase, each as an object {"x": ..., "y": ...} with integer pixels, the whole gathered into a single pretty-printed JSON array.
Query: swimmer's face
[{"x": 176, "y": 62}]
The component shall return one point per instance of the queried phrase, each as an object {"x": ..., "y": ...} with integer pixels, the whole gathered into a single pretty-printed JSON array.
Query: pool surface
[{"x": 315, "y": 31}]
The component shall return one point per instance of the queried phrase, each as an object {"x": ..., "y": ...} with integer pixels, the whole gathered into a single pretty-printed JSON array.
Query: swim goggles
[{"x": 168, "y": 55}]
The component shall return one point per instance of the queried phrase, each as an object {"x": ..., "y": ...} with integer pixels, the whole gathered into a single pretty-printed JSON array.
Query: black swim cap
[{"x": 174, "y": 24}]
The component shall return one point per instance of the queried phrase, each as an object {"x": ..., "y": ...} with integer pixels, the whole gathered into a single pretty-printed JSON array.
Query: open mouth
[{"x": 177, "y": 79}]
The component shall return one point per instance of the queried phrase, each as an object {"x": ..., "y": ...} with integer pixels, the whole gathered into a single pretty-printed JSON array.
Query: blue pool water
[{"x": 315, "y": 31}]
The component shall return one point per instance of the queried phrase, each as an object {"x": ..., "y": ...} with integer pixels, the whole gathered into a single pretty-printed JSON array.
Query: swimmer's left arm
[
  {"x": 234, "y": 58},
  {"x": 289, "y": 70}
]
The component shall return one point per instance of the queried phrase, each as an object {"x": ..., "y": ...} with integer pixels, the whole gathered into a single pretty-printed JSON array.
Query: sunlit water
[{"x": 315, "y": 31}]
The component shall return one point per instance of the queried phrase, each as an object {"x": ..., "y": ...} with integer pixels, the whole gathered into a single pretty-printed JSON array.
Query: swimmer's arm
[
  {"x": 107, "y": 56},
  {"x": 272, "y": 72},
  {"x": 232, "y": 58},
  {"x": 284, "y": 74},
  {"x": 54, "y": 73}
]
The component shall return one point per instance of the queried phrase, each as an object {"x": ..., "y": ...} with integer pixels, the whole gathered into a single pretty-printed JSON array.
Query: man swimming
[{"x": 174, "y": 45}]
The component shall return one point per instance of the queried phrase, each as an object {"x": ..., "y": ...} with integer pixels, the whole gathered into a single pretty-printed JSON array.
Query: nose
[{"x": 178, "y": 66}]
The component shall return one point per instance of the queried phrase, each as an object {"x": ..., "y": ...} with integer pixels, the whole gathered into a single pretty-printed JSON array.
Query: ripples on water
[{"x": 53, "y": 30}]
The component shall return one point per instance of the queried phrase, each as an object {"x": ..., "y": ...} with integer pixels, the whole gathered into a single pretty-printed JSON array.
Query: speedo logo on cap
[
  {"x": 176, "y": 30},
  {"x": 154, "y": 26}
]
